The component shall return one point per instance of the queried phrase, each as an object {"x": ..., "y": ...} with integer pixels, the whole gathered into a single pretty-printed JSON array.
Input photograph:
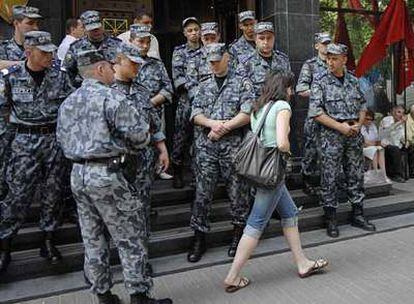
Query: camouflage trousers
[
  {"x": 35, "y": 163},
  {"x": 108, "y": 203},
  {"x": 341, "y": 152},
  {"x": 212, "y": 160},
  {"x": 144, "y": 182},
  {"x": 5, "y": 140},
  {"x": 183, "y": 133},
  {"x": 311, "y": 153}
]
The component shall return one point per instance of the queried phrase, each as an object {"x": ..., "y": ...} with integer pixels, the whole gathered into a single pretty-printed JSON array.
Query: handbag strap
[{"x": 263, "y": 119}]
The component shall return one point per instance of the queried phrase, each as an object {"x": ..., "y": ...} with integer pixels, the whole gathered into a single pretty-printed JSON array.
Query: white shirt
[
  {"x": 154, "y": 50},
  {"x": 370, "y": 132},
  {"x": 391, "y": 132},
  {"x": 64, "y": 46}
]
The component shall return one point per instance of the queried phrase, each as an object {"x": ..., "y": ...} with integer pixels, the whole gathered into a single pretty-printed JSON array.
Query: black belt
[
  {"x": 102, "y": 160},
  {"x": 24, "y": 129}
]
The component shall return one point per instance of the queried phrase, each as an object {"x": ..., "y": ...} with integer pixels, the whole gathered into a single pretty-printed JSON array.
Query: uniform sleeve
[
  {"x": 305, "y": 78},
  {"x": 178, "y": 68},
  {"x": 5, "y": 103},
  {"x": 197, "y": 107},
  {"x": 166, "y": 86},
  {"x": 3, "y": 53},
  {"x": 316, "y": 102},
  {"x": 129, "y": 126},
  {"x": 71, "y": 67},
  {"x": 361, "y": 97},
  {"x": 247, "y": 96}
]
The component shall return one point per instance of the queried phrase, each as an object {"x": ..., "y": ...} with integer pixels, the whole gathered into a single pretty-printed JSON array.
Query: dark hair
[
  {"x": 275, "y": 88},
  {"x": 70, "y": 24},
  {"x": 141, "y": 15},
  {"x": 396, "y": 107},
  {"x": 370, "y": 113}
]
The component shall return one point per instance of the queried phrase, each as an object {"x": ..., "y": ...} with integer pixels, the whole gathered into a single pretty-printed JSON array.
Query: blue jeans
[{"x": 266, "y": 201}]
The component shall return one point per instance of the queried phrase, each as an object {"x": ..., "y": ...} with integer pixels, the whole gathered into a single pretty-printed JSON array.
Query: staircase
[{"x": 171, "y": 232}]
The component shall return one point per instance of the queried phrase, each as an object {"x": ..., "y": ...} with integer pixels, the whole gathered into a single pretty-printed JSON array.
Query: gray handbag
[{"x": 259, "y": 165}]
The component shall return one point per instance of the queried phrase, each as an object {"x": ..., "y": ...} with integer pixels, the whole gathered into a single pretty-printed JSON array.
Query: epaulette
[
  {"x": 233, "y": 43},
  {"x": 205, "y": 78},
  {"x": 6, "y": 41},
  {"x": 280, "y": 53},
  {"x": 114, "y": 38},
  {"x": 312, "y": 60},
  {"x": 179, "y": 47},
  {"x": 10, "y": 70},
  {"x": 79, "y": 41}
]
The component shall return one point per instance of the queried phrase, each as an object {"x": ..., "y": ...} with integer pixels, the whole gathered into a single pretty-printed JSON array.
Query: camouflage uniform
[
  {"x": 99, "y": 123},
  {"x": 241, "y": 50},
  {"x": 310, "y": 68},
  {"x": 216, "y": 157},
  {"x": 256, "y": 67},
  {"x": 9, "y": 50},
  {"x": 342, "y": 102},
  {"x": 184, "y": 74},
  {"x": 35, "y": 157},
  {"x": 140, "y": 96}
]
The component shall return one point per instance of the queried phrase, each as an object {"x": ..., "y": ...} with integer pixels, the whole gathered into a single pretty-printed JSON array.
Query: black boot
[
  {"x": 108, "y": 298},
  {"x": 310, "y": 188},
  {"x": 5, "y": 257},
  {"x": 331, "y": 222},
  {"x": 48, "y": 249},
  {"x": 178, "y": 181},
  {"x": 142, "y": 298},
  {"x": 358, "y": 219},
  {"x": 149, "y": 271},
  {"x": 237, "y": 234},
  {"x": 198, "y": 247}
]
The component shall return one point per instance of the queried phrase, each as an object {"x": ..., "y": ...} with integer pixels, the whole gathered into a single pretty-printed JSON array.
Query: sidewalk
[{"x": 373, "y": 269}]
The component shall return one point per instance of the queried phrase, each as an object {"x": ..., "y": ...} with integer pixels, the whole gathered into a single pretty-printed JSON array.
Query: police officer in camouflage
[
  {"x": 25, "y": 19},
  {"x": 184, "y": 76},
  {"x": 95, "y": 39},
  {"x": 265, "y": 59},
  {"x": 245, "y": 46},
  {"x": 99, "y": 129},
  {"x": 128, "y": 62},
  {"x": 209, "y": 34},
  {"x": 310, "y": 68},
  {"x": 31, "y": 93},
  {"x": 222, "y": 106},
  {"x": 338, "y": 105}
]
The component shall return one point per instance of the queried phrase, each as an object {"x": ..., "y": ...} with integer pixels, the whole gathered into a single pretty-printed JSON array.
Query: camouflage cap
[
  {"x": 188, "y": 20},
  {"x": 209, "y": 28},
  {"x": 132, "y": 52},
  {"x": 41, "y": 40},
  {"x": 19, "y": 11},
  {"x": 140, "y": 30},
  {"x": 264, "y": 27},
  {"x": 89, "y": 57},
  {"x": 337, "y": 49},
  {"x": 323, "y": 38},
  {"x": 91, "y": 20},
  {"x": 247, "y": 15},
  {"x": 215, "y": 51}
]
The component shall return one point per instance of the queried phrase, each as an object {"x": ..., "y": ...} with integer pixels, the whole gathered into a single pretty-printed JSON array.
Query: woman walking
[{"x": 275, "y": 133}]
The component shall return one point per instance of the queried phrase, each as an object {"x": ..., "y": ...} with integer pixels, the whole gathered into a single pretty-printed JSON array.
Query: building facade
[{"x": 295, "y": 21}]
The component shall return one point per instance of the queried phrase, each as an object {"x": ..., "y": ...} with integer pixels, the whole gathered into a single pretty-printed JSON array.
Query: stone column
[{"x": 295, "y": 22}]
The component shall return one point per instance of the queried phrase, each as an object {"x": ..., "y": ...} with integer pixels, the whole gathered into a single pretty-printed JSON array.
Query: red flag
[
  {"x": 394, "y": 27},
  {"x": 342, "y": 36},
  {"x": 356, "y": 4}
]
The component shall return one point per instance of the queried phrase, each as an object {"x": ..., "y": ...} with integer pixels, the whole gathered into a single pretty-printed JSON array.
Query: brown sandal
[
  {"x": 244, "y": 282},
  {"x": 317, "y": 267}
]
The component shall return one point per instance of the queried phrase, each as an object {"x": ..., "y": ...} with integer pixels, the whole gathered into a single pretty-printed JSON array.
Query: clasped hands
[
  {"x": 349, "y": 131},
  {"x": 218, "y": 128}
]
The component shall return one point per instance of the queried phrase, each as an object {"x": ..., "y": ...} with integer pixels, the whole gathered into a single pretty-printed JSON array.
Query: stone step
[
  {"x": 27, "y": 264},
  {"x": 168, "y": 217},
  {"x": 166, "y": 197}
]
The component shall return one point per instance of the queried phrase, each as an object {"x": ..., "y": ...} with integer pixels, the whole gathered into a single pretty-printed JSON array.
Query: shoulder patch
[
  {"x": 280, "y": 53},
  {"x": 10, "y": 70},
  {"x": 244, "y": 58},
  {"x": 247, "y": 85},
  {"x": 312, "y": 60},
  {"x": 321, "y": 75},
  {"x": 205, "y": 78}
]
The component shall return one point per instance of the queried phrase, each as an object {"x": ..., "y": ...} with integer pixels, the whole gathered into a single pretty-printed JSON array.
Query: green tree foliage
[{"x": 360, "y": 30}]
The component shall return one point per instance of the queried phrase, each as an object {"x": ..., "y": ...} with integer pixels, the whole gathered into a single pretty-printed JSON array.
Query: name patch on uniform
[{"x": 22, "y": 90}]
